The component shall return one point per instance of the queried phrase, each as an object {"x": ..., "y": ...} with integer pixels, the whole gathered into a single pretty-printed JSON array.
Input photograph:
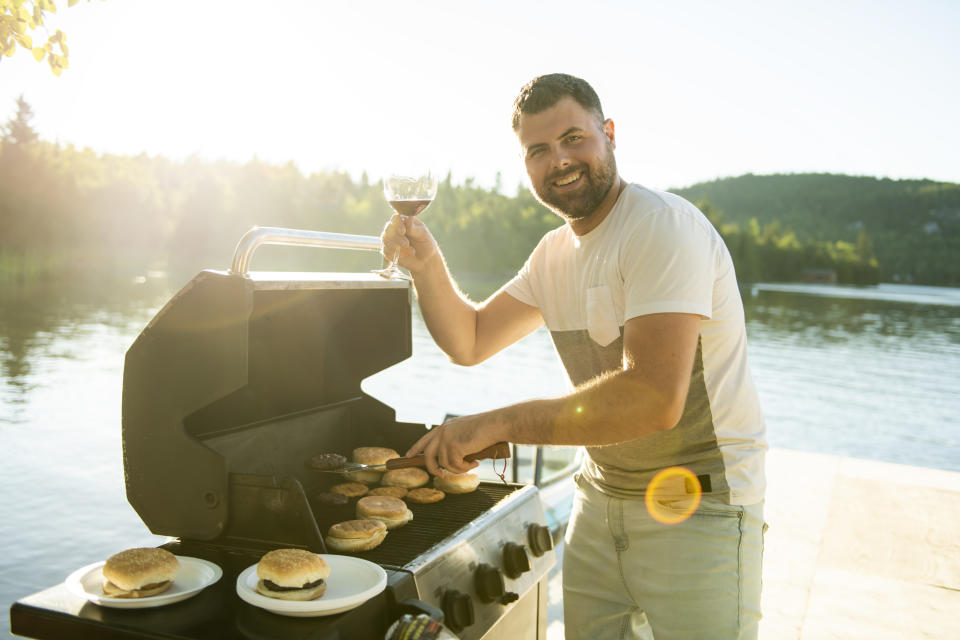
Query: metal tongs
[{"x": 498, "y": 451}]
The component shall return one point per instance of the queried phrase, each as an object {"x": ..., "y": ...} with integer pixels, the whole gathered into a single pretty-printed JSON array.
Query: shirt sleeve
[
  {"x": 669, "y": 264},
  {"x": 521, "y": 286}
]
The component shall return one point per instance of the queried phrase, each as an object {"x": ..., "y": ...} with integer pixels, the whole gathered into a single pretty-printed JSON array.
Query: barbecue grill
[{"x": 228, "y": 392}]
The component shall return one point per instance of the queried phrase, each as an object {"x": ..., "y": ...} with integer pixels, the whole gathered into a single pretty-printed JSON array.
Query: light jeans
[{"x": 626, "y": 575}]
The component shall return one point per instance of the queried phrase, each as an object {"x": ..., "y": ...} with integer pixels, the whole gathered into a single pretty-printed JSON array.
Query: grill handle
[
  {"x": 499, "y": 451},
  {"x": 257, "y": 236}
]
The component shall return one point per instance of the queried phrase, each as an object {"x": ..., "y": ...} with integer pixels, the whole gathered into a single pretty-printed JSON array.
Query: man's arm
[
  {"x": 468, "y": 333},
  {"x": 647, "y": 396}
]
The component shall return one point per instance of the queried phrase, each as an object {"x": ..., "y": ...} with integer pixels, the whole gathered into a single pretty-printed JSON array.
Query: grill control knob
[
  {"x": 540, "y": 540},
  {"x": 515, "y": 560},
  {"x": 509, "y": 597},
  {"x": 457, "y": 610},
  {"x": 489, "y": 583}
]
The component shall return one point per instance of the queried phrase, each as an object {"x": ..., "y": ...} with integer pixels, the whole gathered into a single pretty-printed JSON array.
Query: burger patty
[
  {"x": 275, "y": 587},
  {"x": 328, "y": 461}
]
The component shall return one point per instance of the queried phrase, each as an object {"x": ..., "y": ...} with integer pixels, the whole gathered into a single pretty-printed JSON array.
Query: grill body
[{"x": 228, "y": 392}]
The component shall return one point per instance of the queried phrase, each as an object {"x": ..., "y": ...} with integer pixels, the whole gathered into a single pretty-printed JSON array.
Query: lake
[{"x": 865, "y": 372}]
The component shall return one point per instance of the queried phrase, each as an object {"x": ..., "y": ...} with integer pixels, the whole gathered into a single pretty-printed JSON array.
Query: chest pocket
[{"x": 602, "y": 324}]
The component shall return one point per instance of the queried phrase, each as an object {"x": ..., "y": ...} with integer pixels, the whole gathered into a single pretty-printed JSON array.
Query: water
[{"x": 864, "y": 372}]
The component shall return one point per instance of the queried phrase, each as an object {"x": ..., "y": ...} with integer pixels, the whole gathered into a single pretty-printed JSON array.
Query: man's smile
[{"x": 568, "y": 179}]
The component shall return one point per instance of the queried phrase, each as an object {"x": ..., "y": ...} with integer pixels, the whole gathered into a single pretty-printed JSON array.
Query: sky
[{"x": 698, "y": 90}]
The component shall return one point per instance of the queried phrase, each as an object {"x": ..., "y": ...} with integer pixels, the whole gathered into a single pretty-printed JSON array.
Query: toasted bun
[
  {"x": 138, "y": 573},
  {"x": 408, "y": 478},
  {"x": 356, "y": 535},
  {"x": 350, "y": 489},
  {"x": 393, "y": 512},
  {"x": 370, "y": 455},
  {"x": 292, "y": 567},
  {"x": 373, "y": 455},
  {"x": 425, "y": 495},
  {"x": 457, "y": 483},
  {"x": 393, "y": 492}
]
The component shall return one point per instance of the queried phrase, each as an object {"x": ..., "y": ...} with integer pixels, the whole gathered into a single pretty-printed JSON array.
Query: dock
[{"x": 856, "y": 549}]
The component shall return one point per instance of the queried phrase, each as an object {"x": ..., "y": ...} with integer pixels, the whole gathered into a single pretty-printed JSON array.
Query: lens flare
[{"x": 673, "y": 495}]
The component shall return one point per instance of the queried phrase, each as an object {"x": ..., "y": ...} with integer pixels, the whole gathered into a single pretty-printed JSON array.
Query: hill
[{"x": 914, "y": 225}]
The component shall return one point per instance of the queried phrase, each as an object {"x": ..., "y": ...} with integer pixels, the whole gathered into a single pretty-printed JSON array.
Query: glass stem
[{"x": 396, "y": 253}]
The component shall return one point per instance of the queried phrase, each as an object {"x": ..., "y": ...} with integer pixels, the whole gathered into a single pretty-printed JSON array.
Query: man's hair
[{"x": 545, "y": 91}]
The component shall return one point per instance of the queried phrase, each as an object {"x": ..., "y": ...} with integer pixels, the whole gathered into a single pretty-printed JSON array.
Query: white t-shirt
[{"x": 655, "y": 253}]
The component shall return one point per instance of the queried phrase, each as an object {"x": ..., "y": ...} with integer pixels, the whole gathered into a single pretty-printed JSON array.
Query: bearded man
[{"x": 640, "y": 297}]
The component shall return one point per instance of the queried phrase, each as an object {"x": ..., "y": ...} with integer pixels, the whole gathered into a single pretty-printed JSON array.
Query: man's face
[{"x": 569, "y": 158}]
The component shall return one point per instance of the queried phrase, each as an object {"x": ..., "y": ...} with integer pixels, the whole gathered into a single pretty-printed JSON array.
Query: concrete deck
[{"x": 856, "y": 550}]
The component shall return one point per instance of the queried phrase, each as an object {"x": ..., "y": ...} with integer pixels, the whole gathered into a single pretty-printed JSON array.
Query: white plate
[
  {"x": 194, "y": 575},
  {"x": 352, "y": 582}
]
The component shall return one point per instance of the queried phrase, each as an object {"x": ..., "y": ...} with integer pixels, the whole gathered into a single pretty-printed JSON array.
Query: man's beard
[{"x": 579, "y": 205}]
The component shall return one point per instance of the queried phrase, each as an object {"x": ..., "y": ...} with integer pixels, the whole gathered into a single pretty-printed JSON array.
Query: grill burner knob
[
  {"x": 509, "y": 597},
  {"x": 457, "y": 610},
  {"x": 540, "y": 540},
  {"x": 515, "y": 561},
  {"x": 489, "y": 583}
]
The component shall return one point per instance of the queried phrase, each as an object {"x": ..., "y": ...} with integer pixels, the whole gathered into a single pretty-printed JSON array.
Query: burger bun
[
  {"x": 393, "y": 512},
  {"x": 292, "y": 574},
  {"x": 457, "y": 482},
  {"x": 139, "y": 573},
  {"x": 356, "y": 535},
  {"x": 370, "y": 455}
]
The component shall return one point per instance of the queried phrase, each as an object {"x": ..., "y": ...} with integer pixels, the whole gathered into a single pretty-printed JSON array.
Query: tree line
[
  {"x": 912, "y": 226},
  {"x": 69, "y": 210}
]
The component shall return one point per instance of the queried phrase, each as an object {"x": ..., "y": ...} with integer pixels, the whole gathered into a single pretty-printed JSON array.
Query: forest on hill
[
  {"x": 65, "y": 210},
  {"x": 914, "y": 224}
]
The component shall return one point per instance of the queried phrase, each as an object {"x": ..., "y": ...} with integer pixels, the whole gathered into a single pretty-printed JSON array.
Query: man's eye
[
  {"x": 534, "y": 153},
  {"x": 574, "y": 138}
]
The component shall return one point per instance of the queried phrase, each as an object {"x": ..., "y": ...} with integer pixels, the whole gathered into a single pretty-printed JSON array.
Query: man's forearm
[
  {"x": 612, "y": 408},
  {"x": 449, "y": 316}
]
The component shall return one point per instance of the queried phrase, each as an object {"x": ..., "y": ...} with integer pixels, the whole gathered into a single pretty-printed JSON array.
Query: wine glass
[{"x": 408, "y": 194}]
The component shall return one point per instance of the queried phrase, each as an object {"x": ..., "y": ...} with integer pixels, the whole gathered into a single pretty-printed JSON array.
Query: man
[{"x": 640, "y": 296}]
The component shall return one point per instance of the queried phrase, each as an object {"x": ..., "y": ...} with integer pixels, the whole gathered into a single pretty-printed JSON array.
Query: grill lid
[{"x": 230, "y": 349}]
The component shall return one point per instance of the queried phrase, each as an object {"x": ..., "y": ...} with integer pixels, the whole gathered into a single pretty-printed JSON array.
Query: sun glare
[{"x": 673, "y": 495}]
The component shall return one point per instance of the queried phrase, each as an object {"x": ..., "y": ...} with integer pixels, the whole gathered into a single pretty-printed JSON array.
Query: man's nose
[{"x": 561, "y": 159}]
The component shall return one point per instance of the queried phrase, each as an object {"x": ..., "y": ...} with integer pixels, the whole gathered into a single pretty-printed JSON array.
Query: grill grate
[{"x": 431, "y": 523}]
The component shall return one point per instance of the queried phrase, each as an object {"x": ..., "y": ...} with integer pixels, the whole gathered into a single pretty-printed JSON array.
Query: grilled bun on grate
[
  {"x": 350, "y": 489},
  {"x": 393, "y": 492},
  {"x": 457, "y": 482},
  {"x": 139, "y": 573},
  {"x": 408, "y": 478},
  {"x": 356, "y": 535},
  {"x": 370, "y": 455},
  {"x": 393, "y": 512},
  {"x": 292, "y": 574},
  {"x": 425, "y": 495}
]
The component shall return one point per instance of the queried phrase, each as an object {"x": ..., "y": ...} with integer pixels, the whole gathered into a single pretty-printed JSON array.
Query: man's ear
[{"x": 608, "y": 130}]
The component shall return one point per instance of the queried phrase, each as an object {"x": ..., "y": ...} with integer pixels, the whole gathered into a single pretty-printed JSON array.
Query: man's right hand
[{"x": 413, "y": 239}]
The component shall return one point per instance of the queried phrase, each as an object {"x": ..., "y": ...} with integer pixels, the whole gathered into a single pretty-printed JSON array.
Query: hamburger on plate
[
  {"x": 139, "y": 573},
  {"x": 292, "y": 574}
]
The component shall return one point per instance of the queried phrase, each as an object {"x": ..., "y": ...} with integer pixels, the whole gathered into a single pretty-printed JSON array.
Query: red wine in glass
[{"x": 409, "y": 207}]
